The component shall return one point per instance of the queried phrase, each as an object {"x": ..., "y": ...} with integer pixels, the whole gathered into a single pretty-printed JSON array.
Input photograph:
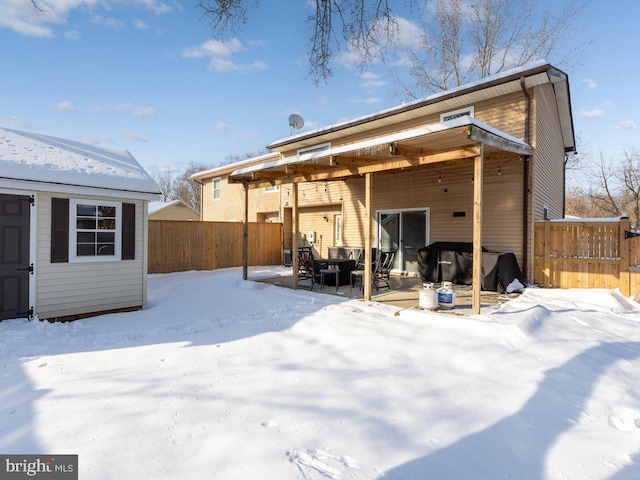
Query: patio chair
[
  {"x": 357, "y": 254},
  {"x": 306, "y": 266},
  {"x": 357, "y": 274},
  {"x": 382, "y": 270}
]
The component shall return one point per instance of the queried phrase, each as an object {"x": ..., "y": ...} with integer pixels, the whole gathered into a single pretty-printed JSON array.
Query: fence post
[
  {"x": 623, "y": 249},
  {"x": 546, "y": 265},
  {"x": 245, "y": 234}
]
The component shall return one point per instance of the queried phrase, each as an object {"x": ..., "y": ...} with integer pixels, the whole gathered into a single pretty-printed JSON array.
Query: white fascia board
[{"x": 27, "y": 185}]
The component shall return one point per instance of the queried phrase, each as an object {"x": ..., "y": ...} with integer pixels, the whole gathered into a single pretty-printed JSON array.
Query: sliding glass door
[{"x": 403, "y": 231}]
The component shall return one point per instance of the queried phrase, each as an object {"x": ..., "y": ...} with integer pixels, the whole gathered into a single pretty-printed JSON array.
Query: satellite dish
[{"x": 296, "y": 121}]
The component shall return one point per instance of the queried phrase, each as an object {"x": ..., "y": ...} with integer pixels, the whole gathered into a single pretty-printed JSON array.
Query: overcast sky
[{"x": 145, "y": 75}]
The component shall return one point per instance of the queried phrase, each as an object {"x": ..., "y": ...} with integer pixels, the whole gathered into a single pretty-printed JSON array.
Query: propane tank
[
  {"x": 428, "y": 299},
  {"x": 446, "y": 295}
]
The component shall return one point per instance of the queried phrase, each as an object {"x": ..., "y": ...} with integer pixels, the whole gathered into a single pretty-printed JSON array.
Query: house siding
[
  {"x": 506, "y": 113},
  {"x": 175, "y": 212},
  {"x": 548, "y": 158},
  {"x": 502, "y": 212},
  {"x": 503, "y": 200},
  {"x": 67, "y": 289}
]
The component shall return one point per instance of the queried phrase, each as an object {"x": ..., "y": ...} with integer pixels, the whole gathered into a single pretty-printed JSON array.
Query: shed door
[{"x": 14, "y": 256}]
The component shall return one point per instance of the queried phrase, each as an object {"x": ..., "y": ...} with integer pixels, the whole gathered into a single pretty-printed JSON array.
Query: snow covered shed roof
[{"x": 69, "y": 166}]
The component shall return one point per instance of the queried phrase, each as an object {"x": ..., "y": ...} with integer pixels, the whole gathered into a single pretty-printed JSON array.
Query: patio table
[{"x": 344, "y": 267}]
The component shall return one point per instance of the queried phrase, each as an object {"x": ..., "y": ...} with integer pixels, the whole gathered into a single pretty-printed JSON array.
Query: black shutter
[
  {"x": 59, "y": 230},
  {"x": 128, "y": 231}
]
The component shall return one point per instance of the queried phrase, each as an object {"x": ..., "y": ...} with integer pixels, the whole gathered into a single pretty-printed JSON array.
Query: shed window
[
  {"x": 92, "y": 231},
  {"x": 216, "y": 185},
  {"x": 95, "y": 230}
]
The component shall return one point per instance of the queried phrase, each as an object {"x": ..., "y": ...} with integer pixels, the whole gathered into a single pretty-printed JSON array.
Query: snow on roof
[
  {"x": 222, "y": 169},
  {"x": 394, "y": 137},
  {"x": 49, "y": 160}
]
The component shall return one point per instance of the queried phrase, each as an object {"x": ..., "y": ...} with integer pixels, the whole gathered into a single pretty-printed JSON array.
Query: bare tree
[
  {"x": 229, "y": 159},
  {"x": 362, "y": 25},
  {"x": 629, "y": 178},
  {"x": 613, "y": 189},
  {"x": 165, "y": 181},
  {"x": 187, "y": 189},
  {"x": 465, "y": 40}
]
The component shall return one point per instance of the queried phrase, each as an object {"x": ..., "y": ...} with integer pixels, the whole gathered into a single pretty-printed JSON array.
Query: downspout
[
  {"x": 525, "y": 186},
  {"x": 564, "y": 186}
]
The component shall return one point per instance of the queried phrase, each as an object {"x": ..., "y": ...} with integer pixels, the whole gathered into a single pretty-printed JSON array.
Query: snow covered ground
[{"x": 223, "y": 379}]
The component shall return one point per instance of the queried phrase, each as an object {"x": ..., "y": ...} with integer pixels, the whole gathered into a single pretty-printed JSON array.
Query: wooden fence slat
[
  {"x": 586, "y": 254},
  {"x": 178, "y": 246}
]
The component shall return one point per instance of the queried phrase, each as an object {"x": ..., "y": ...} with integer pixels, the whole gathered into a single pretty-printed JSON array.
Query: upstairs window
[
  {"x": 216, "y": 187},
  {"x": 456, "y": 113},
  {"x": 314, "y": 149}
]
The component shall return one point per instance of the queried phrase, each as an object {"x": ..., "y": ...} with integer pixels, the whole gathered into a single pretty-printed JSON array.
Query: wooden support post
[
  {"x": 295, "y": 225},
  {"x": 368, "y": 260},
  {"x": 245, "y": 234},
  {"x": 546, "y": 260},
  {"x": 477, "y": 229},
  {"x": 623, "y": 268}
]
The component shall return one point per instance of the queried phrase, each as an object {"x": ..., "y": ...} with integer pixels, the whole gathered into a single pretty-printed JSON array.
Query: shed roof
[{"x": 55, "y": 164}]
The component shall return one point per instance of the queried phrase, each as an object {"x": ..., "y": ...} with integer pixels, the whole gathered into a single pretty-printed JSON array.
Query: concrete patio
[{"x": 404, "y": 293}]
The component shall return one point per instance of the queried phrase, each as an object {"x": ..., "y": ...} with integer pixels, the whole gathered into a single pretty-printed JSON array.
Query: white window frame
[
  {"x": 461, "y": 112},
  {"x": 316, "y": 148},
  {"x": 338, "y": 226},
  {"x": 73, "y": 232},
  {"x": 215, "y": 189}
]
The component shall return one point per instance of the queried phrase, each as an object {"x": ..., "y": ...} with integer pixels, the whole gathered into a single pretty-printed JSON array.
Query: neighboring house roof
[
  {"x": 155, "y": 207},
  {"x": 226, "y": 169},
  {"x": 58, "y": 164},
  {"x": 535, "y": 73}
]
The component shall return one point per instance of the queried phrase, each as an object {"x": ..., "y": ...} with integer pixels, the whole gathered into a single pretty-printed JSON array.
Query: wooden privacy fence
[
  {"x": 587, "y": 254},
  {"x": 176, "y": 246}
]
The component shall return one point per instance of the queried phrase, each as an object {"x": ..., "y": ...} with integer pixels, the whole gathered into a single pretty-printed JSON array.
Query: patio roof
[{"x": 449, "y": 141}]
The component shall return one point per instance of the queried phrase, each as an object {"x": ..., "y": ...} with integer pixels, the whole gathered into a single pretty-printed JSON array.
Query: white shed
[{"x": 73, "y": 228}]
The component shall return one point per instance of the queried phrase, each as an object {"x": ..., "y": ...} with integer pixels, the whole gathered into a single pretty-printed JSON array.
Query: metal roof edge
[
  {"x": 230, "y": 167},
  {"x": 399, "y": 136}
]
